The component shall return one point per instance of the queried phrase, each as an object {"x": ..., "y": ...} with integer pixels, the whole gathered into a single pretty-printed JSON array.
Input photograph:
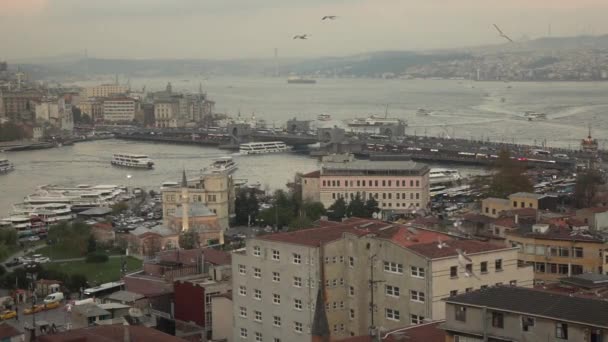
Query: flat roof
[{"x": 367, "y": 165}]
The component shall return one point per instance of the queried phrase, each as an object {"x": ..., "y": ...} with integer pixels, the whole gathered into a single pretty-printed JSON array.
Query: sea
[{"x": 458, "y": 109}]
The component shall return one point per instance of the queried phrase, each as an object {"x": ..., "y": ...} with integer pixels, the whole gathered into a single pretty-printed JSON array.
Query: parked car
[
  {"x": 33, "y": 238},
  {"x": 42, "y": 260},
  {"x": 52, "y": 305},
  {"x": 14, "y": 262},
  {"x": 7, "y": 314}
]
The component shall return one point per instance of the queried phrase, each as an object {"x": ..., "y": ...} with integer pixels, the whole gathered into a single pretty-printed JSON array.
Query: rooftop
[
  {"x": 559, "y": 233},
  {"x": 96, "y": 212},
  {"x": 426, "y": 332},
  {"x": 90, "y": 310},
  {"x": 537, "y": 303},
  {"x": 367, "y": 165},
  {"x": 450, "y": 248},
  {"x": 217, "y": 257},
  {"x": 495, "y": 200},
  {"x": 108, "y": 333},
  {"x": 529, "y": 195},
  {"x": 124, "y": 296},
  {"x": 160, "y": 230},
  {"x": 314, "y": 174},
  {"x": 587, "y": 280}
]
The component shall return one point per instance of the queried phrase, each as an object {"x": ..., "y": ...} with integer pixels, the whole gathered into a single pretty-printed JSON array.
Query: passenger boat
[
  {"x": 532, "y": 116},
  {"x": 24, "y": 225},
  {"x": 168, "y": 185},
  {"x": 324, "y": 117},
  {"x": 6, "y": 166},
  {"x": 441, "y": 176},
  {"x": 50, "y": 213},
  {"x": 263, "y": 147},
  {"x": 138, "y": 161},
  {"x": 300, "y": 80},
  {"x": 223, "y": 165},
  {"x": 80, "y": 197}
]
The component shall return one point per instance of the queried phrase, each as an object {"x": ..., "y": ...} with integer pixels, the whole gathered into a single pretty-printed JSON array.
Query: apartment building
[
  {"x": 119, "y": 109},
  {"x": 166, "y": 113},
  {"x": 93, "y": 107},
  {"x": 396, "y": 186},
  {"x": 557, "y": 252},
  {"x": 493, "y": 207},
  {"x": 104, "y": 90},
  {"x": 507, "y": 313},
  {"x": 277, "y": 277}
]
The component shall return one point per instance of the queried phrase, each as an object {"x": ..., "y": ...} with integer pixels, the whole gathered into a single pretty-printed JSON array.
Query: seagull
[
  {"x": 330, "y": 17},
  {"x": 501, "y": 34},
  {"x": 301, "y": 36}
]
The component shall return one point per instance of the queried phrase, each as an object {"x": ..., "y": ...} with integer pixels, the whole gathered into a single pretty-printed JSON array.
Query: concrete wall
[
  {"x": 492, "y": 207},
  {"x": 221, "y": 310}
]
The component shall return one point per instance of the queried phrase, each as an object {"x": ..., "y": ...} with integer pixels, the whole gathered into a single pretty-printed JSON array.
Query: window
[
  {"x": 258, "y": 337},
  {"x": 257, "y": 316},
  {"x": 257, "y": 294},
  {"x": 416, "y": 319},
  {"x": 341, "y": 259},
  {"x": 243, "y": 312},
  {"x": 562, "y": 268},
  {"x": 468, "y": 289},
  {"x": 390, "y": 290},
  {"x": 334, "y": 282},
  {"x": 298, "y": 327},
  {"x": 334, "y": 305},
  {"x": 417, "y": 296},
  {"x": 276, "y": 277},
  {"x": 257, "y": 273},
  {"x": 351, "y": 314},
  {"x": 417, "y": 272},
  {"x": 276, "y": 321},
  {"x": 297, "y": 281},
  {"x": 351, "y": 291},
  {"x": 484, "y": 267},
  {"x": 576, "y": 269},
  {"x": 334, "y": 259},
  {"x": 577, "y": 252},
  {"x": 327, "y": 260},
  {"x": 243, "y": 333},
  {"x": 297, "y": 304},
  {"x": 351, "y": 261},
  {"x": 527, "y": 323},
  {"x": 417, "y": 195},
  {"x": 341, "y": 281},
  {"x": 453, "y": 293},
  {"x": 483, "y": 287},
  {"x": 454, "y": 272},
  {"x": 469, "y": 268},
  {"x": 242, "y": 290},
  {"x": 297, "y": 258},
  {"x": 257, "y": 251},
  {"x": 242, "y": 270},
  {"x": 461, "y": 313},
  {"x": 276, "y": 298},
  {"x": 498, "y": 265},
  {"x": 513, "y": 283},
  {"x": 342, "y": 304},
  {"x": 498, "y": 320},
  {"x": 561, "y": 331},
  {"x": 276, "y": 255},
  {"x": 391, "y": 314},
  {"x": 393, "y": 267}
]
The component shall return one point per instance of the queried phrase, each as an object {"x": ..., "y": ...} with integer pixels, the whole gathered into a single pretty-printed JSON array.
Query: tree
[
  {"x": 371, "y": 207},
  {"x": 282, "y": 212},
  {"x": 313, "y": 210},
  {"x": 189, "y": 239},
  {"x": 300, "y": 223},
  {"x": 246, "y": 207},
  {"x": 337, "y": 211},
  {"x": 509, "y": 177},
  {"x": 356, "y": 207},
  {"x": 586, "y": 188},
  {"x": 76, "y": 281},
  {"x": 91, "y": 244}
]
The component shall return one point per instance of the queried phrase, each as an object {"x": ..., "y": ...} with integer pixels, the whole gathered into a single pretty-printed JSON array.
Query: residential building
[
  {"x": 166, "y": 114},
  {"x": 586, "y": 285},
  {"x": 277, "y": 277},
  {"x": 86, "y": 315},
  {"x": 215, "y": 191},
  {"x": 13, "y": 104},
  {"x": 115, "y": 332},
  {"x": 397, "y": 186},
  {"x": 493, "y": 207},
  {"x": 509, "y": 313},
  {"x": 93, "y": 107},
  {"x": 56, "y": 112},
  {"x": 104, "y": 90},
  {"x": 119, "y": 109},
  {"x": 596, "y": 218},
  {"x": 556, "y": 251}
]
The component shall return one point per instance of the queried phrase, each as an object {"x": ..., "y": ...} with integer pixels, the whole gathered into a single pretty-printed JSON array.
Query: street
[{"x": 58, "y": 316}]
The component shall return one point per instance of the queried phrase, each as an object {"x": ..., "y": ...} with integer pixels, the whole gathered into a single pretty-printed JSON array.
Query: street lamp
[{"x": 31, "y": 272}]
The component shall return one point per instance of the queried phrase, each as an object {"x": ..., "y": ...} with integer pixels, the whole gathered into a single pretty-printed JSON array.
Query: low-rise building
[
  {"x": 494, "y": 207},
  {"x": 508, "y": 313},
  {"x": 119, "y": 109},
  {"x": 596, "y": 218},
  {"x": 115, "y": 332},
  {"x": 93, "y": 108},
  {"x": 200, "y": 220},
  {"x": 86, "y": 315}
]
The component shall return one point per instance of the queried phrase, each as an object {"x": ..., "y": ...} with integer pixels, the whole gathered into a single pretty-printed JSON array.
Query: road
[
  {"x": 21, "y": 253},
  {"x": 59, "y": 316}
]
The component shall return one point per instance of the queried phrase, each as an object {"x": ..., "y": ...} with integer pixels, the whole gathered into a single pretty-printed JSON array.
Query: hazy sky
[{"x": 253, "y": 28}]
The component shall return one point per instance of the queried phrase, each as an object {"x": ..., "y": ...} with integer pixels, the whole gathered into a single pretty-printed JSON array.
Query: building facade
[
  {"x": 396, "y": 186},
  {"x": 93, "y": 107},
  {"x": 119, "y": 109},
  {"x": 104, "y": 90},
  {"x": 166, "y": 114}
]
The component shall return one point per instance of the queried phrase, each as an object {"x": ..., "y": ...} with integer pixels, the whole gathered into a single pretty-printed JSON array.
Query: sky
[{"x": 234, "y": 29}]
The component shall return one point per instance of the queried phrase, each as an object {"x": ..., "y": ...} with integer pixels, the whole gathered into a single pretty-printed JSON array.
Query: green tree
[
  {"x": 76, "y": 281},
  {"x": 356, "y": 207},
  {"x": 337, "y": 211},
  {"x": 313, "y": 210},
  {"x": 246, "y": 207},
  {"x": 189, "y": 240},
  {"x": 371, "y": 207},
  {"x": 91, "y": 244},
  {"x": 509, "y": 177},
  {"x": 300, "y": 222},
  {"x": 282, "y": 212},
  {"x": 586, "y": 188}
]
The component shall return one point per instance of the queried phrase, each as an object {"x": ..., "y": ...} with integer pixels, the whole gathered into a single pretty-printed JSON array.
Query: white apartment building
[
  {"x": 400, "y": 186},
  {"x": 104, "y": 90},
  {"x": 277, "y": 276},
  {"x": 119, "y": 109}
]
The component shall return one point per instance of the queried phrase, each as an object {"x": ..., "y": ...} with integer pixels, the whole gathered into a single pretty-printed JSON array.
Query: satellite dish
[{"x": 375, "y": 215}]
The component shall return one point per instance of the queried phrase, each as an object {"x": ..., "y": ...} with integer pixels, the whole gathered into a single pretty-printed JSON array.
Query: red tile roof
[
  {"x": 107, "y": 333},
  {"x": 217, "y": 257},
  {"x": 428, "y": 332},
  {"x": 508, "y": 222},
  {"x": 449, "y": 249},
  {"x": 314, "y": 174},
  {"x": 7, "y": 331}
]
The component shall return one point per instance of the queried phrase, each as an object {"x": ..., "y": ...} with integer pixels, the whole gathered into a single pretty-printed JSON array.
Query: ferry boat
[
  {"x": 423, "y": 112},
  {"x": 263, "y": 147},
  {"x": 300, "y": 80},
  {"x": 374, "y": 120},
  {"x": 223, "y": 165},
  {"x": 532, "y": 116},
  {"x": 168, "y": 185},
  {"x": 24, "y": 225},
  {"x": 138, "y": 161},
  {"x": 5, "y": 166},
  {"x": 441, "y": 176},
  {"x": 324, "y": 117},
  {"x": 50, "y": 213},
  {"x": 80, "y": 197}
]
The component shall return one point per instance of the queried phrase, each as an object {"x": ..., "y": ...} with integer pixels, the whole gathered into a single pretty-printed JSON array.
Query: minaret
[{"x": 185, "y": 200}]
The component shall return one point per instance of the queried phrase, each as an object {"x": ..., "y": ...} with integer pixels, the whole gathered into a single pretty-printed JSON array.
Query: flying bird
[
  {"x": 501, "y": 34},
  {"x": 301, "y": 36},
  {"x": 330, "y": 17}
]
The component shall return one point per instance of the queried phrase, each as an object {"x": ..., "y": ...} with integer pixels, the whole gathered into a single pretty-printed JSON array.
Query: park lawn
[
  {"x": 96, "y": 273},
  {"x": 58, "y": 252}
]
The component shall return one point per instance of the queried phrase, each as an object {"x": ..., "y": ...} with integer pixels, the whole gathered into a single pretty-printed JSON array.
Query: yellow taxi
[
  {"x": 51, "y": 305},
  {"x": 35, "y": 309},
  {"x": 8, "y": 314}
]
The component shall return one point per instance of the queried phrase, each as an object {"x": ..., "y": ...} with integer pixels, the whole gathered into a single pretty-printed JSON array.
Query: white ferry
[
  {"x": 533, "y": 116},
  {"x": 439, "y": 176},
  {"x": 80, "y": 197},
  {"x": 24, "y": 225},
  {"x": 223, "y": 165},
  {"x": 168, "y": 185},
  {"x": 50, "y": 213},
  {"x": 263, "y": 147},
  {"x": 138, "y": 161},
  {"x": 324, "y": 117},
  {"x": 374, "y": 120},
  {"x": 5, "y": 166}
]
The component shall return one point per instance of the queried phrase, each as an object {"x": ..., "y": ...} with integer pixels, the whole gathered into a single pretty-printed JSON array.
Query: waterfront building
[
  {"x": 55, "y": 112},
  {"x": 13, "y": 104},
  {"x": 397, "y": 186},
  {"x": 508, "y": 313},
  {"x": 119, "y": 109},
  {"x": 166, "y": 114},
  {"x": 215, "y": 191},
  {"x": 278, "y": 278},
  {"x": 559, "y": 251},
  {"x": 93, "y": 107},
  {"x": 104, "y": 90}
]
